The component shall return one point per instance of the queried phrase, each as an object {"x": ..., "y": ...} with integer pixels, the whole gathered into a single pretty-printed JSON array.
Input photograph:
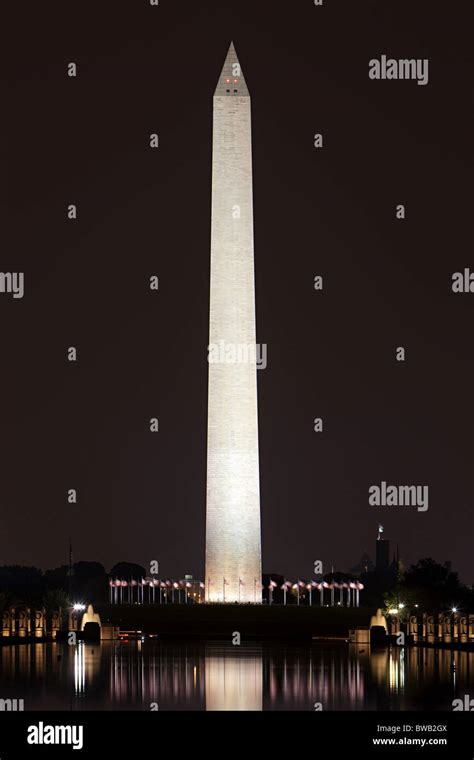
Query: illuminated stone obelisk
[{"x": 233, "y": 546}]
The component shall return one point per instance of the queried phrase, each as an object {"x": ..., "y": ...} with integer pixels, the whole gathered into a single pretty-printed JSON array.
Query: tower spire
[{"x": 231, "y": 80}]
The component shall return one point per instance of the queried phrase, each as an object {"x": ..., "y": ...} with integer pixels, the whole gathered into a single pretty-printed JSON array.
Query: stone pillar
[
  {"x": 28, "y": 621},
  {"x": 23, "y": 623},
  {"x": 430, "y": 630},
  {"x": 394, "y": 625},
  {"x": 55, "y": 624},
  {"x": 5, "y": 623},
  {"x": 39, "y": 623},
  {"x": 440, "y": 627},
  {"x": 73, "y": 623},
  {"x": 455, "y": 625},
  {"x": 447, "y": 627},
  {"x": 13, "y": 621}
]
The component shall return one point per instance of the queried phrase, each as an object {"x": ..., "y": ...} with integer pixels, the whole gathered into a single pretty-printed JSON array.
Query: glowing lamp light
[
  {"x": 393, "y": 611},
  {"x": 454, "y": 609},
  {"x": 79, "y": 607}
]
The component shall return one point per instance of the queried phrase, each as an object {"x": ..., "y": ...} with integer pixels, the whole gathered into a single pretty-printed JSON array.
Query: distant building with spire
[{"x": 382, "y": 551}]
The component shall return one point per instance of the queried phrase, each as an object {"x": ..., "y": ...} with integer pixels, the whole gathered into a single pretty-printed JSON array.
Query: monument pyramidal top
[{"x": 231, "y": 81}]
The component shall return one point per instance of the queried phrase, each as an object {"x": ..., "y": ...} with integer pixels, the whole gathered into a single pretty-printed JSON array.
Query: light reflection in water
[
  {"x": 79, "y": 669},
  {"x": 233, "y": 682},
  {"x": 396, "y": 670},
  {"x": 219, "y": 676}
]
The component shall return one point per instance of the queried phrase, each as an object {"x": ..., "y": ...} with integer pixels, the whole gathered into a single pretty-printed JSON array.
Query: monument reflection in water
[{"x": 218, "y": 676}]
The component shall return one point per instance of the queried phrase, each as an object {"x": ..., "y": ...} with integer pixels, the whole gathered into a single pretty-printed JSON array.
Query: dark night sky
[{"x": 143, "y": 69}]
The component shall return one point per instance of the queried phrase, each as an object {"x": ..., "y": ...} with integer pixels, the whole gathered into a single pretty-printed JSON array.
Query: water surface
[{"x": 148, "y": 675}]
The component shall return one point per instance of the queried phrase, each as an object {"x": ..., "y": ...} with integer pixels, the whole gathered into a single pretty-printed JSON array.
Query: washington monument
[{"x": 233, "y": 547}]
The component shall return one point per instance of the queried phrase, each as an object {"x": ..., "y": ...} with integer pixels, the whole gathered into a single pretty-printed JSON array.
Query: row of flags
[
  {"x": 151, "y": 582},
  {"x": 287, "y": 585},
  {"x": 314, "y": 584}
]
